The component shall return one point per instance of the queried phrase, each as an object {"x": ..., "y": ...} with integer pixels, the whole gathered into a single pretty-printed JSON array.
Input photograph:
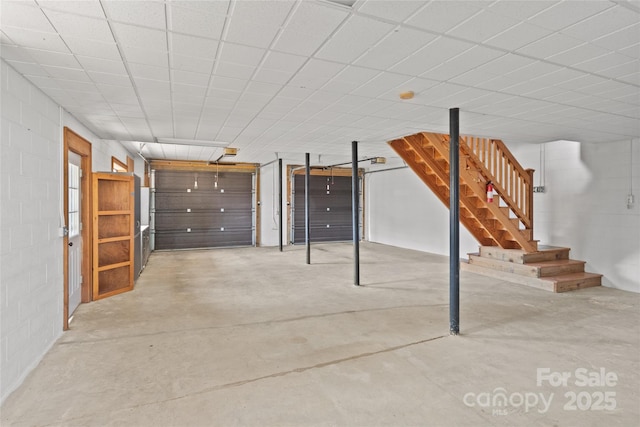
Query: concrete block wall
[{"x": 31, "y": 273}]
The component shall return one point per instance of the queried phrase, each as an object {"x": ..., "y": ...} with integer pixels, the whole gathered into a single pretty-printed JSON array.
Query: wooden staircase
[
  {"x": 549, "y": 268},
  {"x": 506, "y": 223}
]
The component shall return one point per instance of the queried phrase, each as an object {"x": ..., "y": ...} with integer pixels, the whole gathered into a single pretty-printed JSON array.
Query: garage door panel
[
  {"x": 329, "y": 206},
  {"x": 206, "y": 216}
]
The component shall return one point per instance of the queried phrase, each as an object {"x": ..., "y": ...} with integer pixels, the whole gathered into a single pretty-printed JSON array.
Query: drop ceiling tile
[
  {"x": 605, "y": 61},
  {"x": 257, "y": 23},
  {"x": 196, "y": 47},
  {"x": 518, "y": 36},
  {"x": 193, "y": 97},
  {"x": 80, "y": 26},
  {"x": 550, "y": 45},
  {"x": 189, "y": 63},
  {"x": 110, "y": 79},
  {"x": 189, "y": 78},
  {"x": 243, "y": 55},
  {"x": 382, "y": 83},
  {"x": 315, "y": 74},
  {"x": 36, "y": 39},
  {"x": 394, "y": 48},
  {"x": 350, "y": 78},
  {"x": 390, "y": 10},
  {"x": 101, "y": 65},
  {"x": 520, "y": 10},
  {"x": 140, "y": 55},
  {"x": 118, "y": 94},
  {"x": 623, "y": 38},
  {"x": 229, "y": 69},
  {"x": 462, "y": 63},
  {"x": 632, "y": 51},
  {"x": 432, "y": 55},
  {"x": 578, "y": 54},
  {"x": 441, "y": 16},
  {"x": 482, "y": 26},
  {"x": 24, "y": 15},
  {"x": 604, "y": 23},
  {"x": 141, "y": 13},
  {"x": 581, "y": 82},
  {"x": 93, "y": 49},
  {"x": 152, "y": 89},
  {"x": 149, "y": 39},
  {"x": 57, "y": 59},
  {"x": 130, "y": 111},
  {"x": 263, "y": 88},
  {"x": 75, "y": 74},
  {"x": 353, "y": 39},
  {"x": 283, "y": 61},
  {"x": 148, "y": 72},
  {"x": 194, "y": 22},
  {"x": 91, "y": 9},
  {"x": 228, "y": 83},
  {"x": 188, "y": 90},
  {"x": 272, "y": 76},
  {"x": 621, "y": 70},
  {"x": 43, "y": 82},
  {"x": 566, "y": 13}
]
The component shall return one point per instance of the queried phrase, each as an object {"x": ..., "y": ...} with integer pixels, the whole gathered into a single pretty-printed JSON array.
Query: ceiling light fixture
[
  {"x": 407, "y": 95},
  {"x": 196, "y": 142}
]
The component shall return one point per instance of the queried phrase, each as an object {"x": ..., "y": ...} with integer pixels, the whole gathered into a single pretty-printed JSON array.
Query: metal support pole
[
  {"x": 307, "y": 222},
  {"x": 355, "y": 193},
  {"x": 280, "y": 201},
  {"x": 454, "y": 222}
]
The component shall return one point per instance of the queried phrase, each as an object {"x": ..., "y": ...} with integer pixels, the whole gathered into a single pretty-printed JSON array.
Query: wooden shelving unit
[{"x": 113, "y": 233}]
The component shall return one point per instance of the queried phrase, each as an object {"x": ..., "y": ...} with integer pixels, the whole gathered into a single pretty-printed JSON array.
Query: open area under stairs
[{"x": 549, "y": 268}]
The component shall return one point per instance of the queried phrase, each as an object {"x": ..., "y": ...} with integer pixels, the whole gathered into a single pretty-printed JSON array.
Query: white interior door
[{"x": 75, "y": 237}]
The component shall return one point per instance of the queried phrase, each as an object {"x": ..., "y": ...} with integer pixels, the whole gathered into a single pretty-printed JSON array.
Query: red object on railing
[{"x": 489, "y": 192}]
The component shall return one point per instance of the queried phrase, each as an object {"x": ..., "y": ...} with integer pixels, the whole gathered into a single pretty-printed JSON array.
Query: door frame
[{"x": 77, "y": 144}]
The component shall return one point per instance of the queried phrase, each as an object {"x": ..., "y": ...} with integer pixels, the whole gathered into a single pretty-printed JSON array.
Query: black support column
[
  {"x": 280, "y": 183},
  {"x": 355, "y": 207},
  {"x": 307, "y": 220},
  {"x": 454, "y": 222}
]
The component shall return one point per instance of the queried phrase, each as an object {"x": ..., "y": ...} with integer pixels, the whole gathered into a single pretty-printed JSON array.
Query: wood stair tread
[
  {"x": 555, "y": 263},
  {"x": 571, "y": 276}
]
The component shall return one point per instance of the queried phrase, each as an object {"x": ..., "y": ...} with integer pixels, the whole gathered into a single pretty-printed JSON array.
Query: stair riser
[
  {"x": 520, "y": 257},
  {"x": 504, "y": 266},
  {"x": 573, "y": 285},
  {"x": 564, "y": 269},
  {"x": 533, "y": 282}
]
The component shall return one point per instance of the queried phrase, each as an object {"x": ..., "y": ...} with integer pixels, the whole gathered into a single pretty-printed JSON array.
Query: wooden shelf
[{"x": 113, "y": 248}]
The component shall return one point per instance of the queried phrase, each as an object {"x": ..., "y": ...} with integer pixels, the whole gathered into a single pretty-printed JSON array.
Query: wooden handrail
[{"x": 510, "y": 180}]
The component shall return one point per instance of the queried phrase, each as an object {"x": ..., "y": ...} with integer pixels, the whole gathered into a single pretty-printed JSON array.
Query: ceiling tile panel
[
  {"x": 430, "y": 56},
  {"x": 396, "y": 11},
  {"x": 35, "y": 39},
  {"x": 189, "y": 78},
  {"x": 230, "y": 69},
  {"x": 196, "y": 47},
  {"x": 256, "y": 23},
  {"x": 90, "y": 8},
  {"x": 608, "y": 21},
  {"x": 566, "y": 13},
  {"x": 150, "y": 39},
  {"x": 140, "y": 55},
  {"x": 604, "y": 62},
  {"x": 315, "y": 74},
  {"x": 394, "y": 48},
  {"x": 243, "y": 55},
  {"x": 550, "y": 45},
  {"x": 483, "y": 26},
  {"x": 190, "y": 21},
  {"x": 621, "y": 39},
  {"x": 382, "y": 83},
  {"x": 80, "y": 26},
  {"x": 228, "y": 83},
  {"x": 309, "y": 26},
  {"x": 353, "y": 39},
  {"x": 441, "y": 16},
  {"x": 24, "y": 15},
  {"x": 141, "y": 13},
  {"x": 518, "y": 36},
  {"x": 110, "y": 79},
  {"x": 462, "y": 63},
  {"x": 101, "y": 65},
  {"x": 349, "y": 79},
  {"x": 57, "y": 59},
  {"x": 190, "y": 63},
  {"x": 149, "y": 72},
  {"x": 520, "y": 10},
  {"x": 90, "y": 48},
  {"x": 578, "y": 54}
]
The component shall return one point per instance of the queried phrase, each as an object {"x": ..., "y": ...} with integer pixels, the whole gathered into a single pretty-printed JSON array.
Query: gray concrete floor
[{"x": 254, "y": 337}]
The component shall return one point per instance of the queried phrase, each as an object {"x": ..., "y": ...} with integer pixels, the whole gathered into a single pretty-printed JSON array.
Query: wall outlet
[{"x": 539, "y": 189}]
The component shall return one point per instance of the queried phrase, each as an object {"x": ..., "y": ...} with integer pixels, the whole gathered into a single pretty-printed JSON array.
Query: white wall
[
  {"x": 402, "y": 211},
  {"x": 31, "y": 252},
  {"x": 585, "y": 206},
  {"x": 31, "y": 270}
]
